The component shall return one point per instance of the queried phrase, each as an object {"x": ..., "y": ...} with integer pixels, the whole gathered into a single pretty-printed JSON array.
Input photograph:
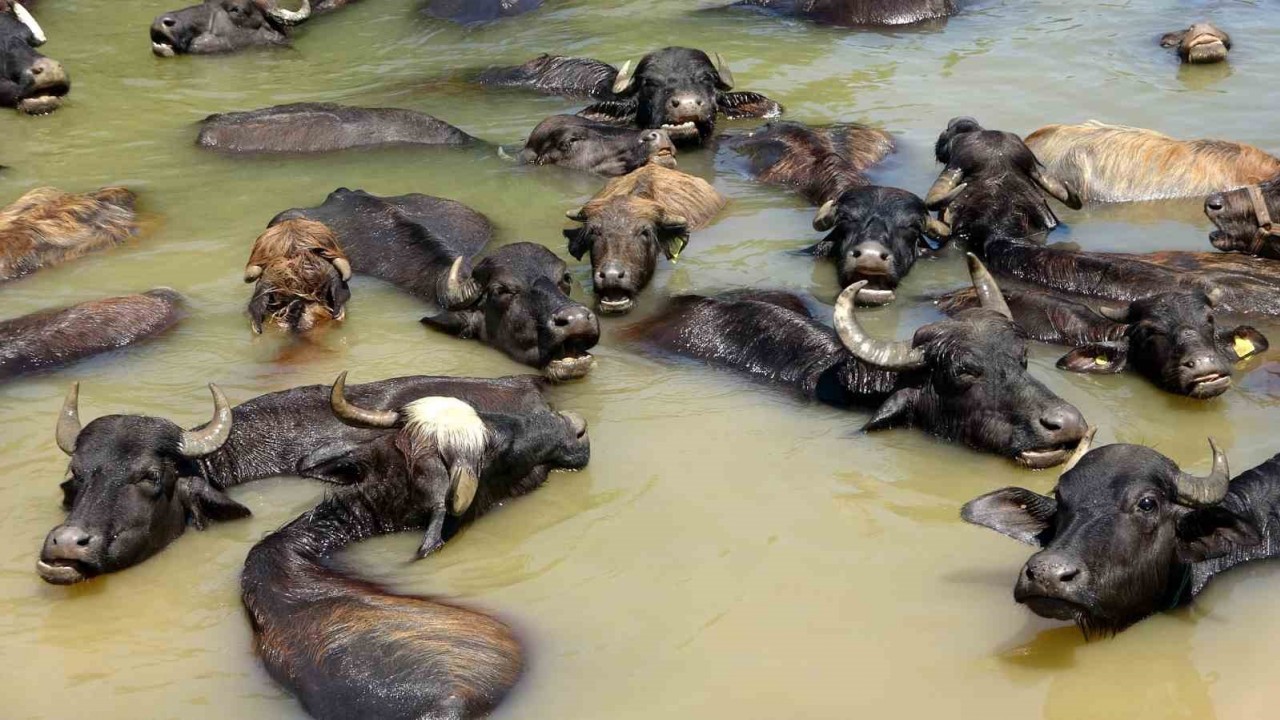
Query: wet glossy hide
[
  {"x": 852, "y": 13},
  {"x": 222, "y": 26},
  {"x": 471, "y": 12},
  {"x": 574, "y": 142},
  {"x": 324, "y": 127}
]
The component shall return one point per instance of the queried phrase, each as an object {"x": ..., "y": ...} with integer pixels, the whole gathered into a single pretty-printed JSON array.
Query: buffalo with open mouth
[{"x": 29, "y": 81}]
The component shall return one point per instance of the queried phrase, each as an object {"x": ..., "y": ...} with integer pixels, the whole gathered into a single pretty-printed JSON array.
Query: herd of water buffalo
[{"x": 1125, "y": 534}]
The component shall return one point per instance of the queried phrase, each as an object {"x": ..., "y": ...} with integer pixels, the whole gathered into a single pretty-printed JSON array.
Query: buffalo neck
[{"x": 1254, "y": 495}]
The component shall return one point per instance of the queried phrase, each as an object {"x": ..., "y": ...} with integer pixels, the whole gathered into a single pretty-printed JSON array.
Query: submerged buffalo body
[
  {"x": 1201, "y": 43},
  {"x": 29, "y": 81},
  {"x": 47, "y": 227},
  {"x": 1127, "y": 534},
  {"x": 853, "y": 13},
  {"x": 220, "y": 26},
  {"x": 963, "y": 379},
  {"x": 580, "y": 144},
  {"x": 324, "y": 127},
  {"x": 821, "y": 163},
  {"x": 53, "y": 338},
  {"x": 470, "y": 12},
  {"x": 1171, "y": 337},
  {"x": 1244, "y": 219},
  {"x": 631, "y": 221},
  {"x": 1114, "y": 163}
]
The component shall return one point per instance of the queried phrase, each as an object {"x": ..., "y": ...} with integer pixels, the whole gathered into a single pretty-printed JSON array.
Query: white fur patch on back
[{"x": 449, "y": 423}]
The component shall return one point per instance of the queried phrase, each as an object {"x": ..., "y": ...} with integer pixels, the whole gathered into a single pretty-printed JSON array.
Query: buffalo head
[
  {"x": 29, "y": 81},
  {"x": 581, "y": 144},
  {"x": 217, "y": 26},
  {"x": 1200, "y": 43},
  {"x": 1244, "y": 220},
  {"x": 300, "y": 276}
]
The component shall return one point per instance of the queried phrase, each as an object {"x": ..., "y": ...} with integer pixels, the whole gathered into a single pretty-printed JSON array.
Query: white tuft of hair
[{"x": 450, "y": 424}]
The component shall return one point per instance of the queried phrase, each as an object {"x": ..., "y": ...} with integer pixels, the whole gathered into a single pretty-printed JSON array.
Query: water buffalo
[
  {"x": 820, "y": 163},
  {"x": 471, "y": 12},
  {"x": 633, "y": 219},
  {"x": 348, "y": 648},
  {"x": 300, "y": 277},
  {"x": 574, "y": 142},
  {"x": 991, "y": 186},
  {"x": 1171, "y": 338},
  {"x": 1201, "y": 43},
  {"x": 676, "y": 89},
  {"x": 854, "y": 13},
  {"x": 1127, "y": 534},
  {"x": 875, "y": 236},
  {"x": 29, "y": 81},
  {"x": 53, "y": 338},
  {"x": 135, "y": 483},
  {"x": 516, "y": 299},
  {"x": 48, "y": 227},
  {"x": 324, "y": 127},
  {"x": 1114, "y": 163},
  {"x": 221, "y": 26},
  {"x": 1243, "y": 219},
  {"x": 963, "y": 379}
]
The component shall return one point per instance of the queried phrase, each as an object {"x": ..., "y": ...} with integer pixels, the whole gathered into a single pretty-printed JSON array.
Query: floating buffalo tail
[{"x": 349, "y": 648}]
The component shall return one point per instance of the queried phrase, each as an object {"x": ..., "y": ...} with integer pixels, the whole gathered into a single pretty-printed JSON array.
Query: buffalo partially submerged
[
  {"x": 1127, "y": 534},
  {"x": 324, "y": 127},
  {"x": 53, "y": 338},
  {"x": 471, "y": 12},
  {"x": 963, "y": 379},
  {"x": 854, "y": 13},
  {"x": 516, "y": 299},
  {"x": 1244, "y": 220},
  {"x": 1171, "y": 338},
  {"x": 300, "y": 277},
  {"x": 874, "y": 236},
  {"x": 348, "y": 648},
  {"x": 580, "y": 144},
  {"x": 48, "y": 227},
  {"x": 220, "y": 26},
  {"x": 821, "y": 163},
  {"x": 680, "y": 90},
  {"x": 1201, "y": 43},
  {"x": 631, "y": 221},
  {"x": 29, "y": 81},
  {"x": 1114, "y": 163},
  {"x": 992, "y": 186},
  {"x": 135, "y": 483}
]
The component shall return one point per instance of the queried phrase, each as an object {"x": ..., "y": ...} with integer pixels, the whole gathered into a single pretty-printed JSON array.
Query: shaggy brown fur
[
  {"x": 819, "y": 163},
  {"x": 296, "y": 258},
  {"x": 1114, "y": 163},
  {"x": 47, "y": 227},
  {"x": 654, "y": 191}
]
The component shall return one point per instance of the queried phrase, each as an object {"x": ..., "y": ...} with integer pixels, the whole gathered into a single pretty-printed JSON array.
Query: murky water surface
[{"x": 730, "y": 553}]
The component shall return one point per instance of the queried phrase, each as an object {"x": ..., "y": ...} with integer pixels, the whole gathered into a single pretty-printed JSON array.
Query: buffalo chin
[
  {"x": 1042, "y": 458},
  {"x": 1207, "y": 49},
  {"x": 569, "y": 367},
  {"x": 63, "y": 572},
  {"x": 615, "y": 302},
  {"x": 40, "y": 104},
  {"x": 164, "y": 50},
  {"x": 1208, "y": 386},
  {"x": 1053, "y": 608}
]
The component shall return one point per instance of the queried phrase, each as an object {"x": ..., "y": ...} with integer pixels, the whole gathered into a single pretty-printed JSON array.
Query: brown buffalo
[
  {"x": 301, "y": 276},
  {"x": 1201, "y": 43},
  {"x": 48, "y": 227},
  {"x": 820, "y": 163},
  {"x": 1114, "y": 163}
]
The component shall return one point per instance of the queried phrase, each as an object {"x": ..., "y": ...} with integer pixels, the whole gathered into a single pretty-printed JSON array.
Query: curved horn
[
  {"x": 945, "y": 188},
  {"x": 936, "y": 228},
  {"x": 891, "y": 355},
  {"x": 1120, "y": 315},
  {"x": 577, "y": 214},
  {"x": 726, "y": 75},
  {"x": 989, "y": 294},
  {"x": 358, "y": 416},
  {"x": 458, "y": 290},
  {"x": 69, "y": 421},
  {"x": 1209, "y": 490},
  {"x": 826, "y": 217},
  {"x": 25, "y": 18},
  {"x": 625, "y": 77},
  {"x": 252, "y": 273},
  {"x": 198, "y": 443},
  {"x": 1082, "y": 449},
  {"x": 343, "y": 266},
  {"x": 290, "y": 17}
]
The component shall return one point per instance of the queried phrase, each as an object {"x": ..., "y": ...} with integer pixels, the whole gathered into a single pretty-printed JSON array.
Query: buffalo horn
[
  {"x": 989, "y": 295},
  {"x": 69, "y": 421},
  {"x": 201, "y": 442},
  {"x": 460, "y": 290},
  {"x": 891, "y": 355},
  {"x": 1209, "y": 490},
  {"x": 726, "y": 75},
  {"x": 944, "y": 188},
  {"x": 826, "y": 217},
  {"x": 25, "y": 18},
  {"x": 290, "y": 17},
  {"x": 1082, "y": 449},
  {"x": 577, "y": 214},
  {"x": 938, "y": 229},
  {"x": 1120, "y": 315},
  {"x": 252, "y": 273},
  {"x": 623, "y": 81},
  {"x": 343, "y": 266},
  {"x": 357, "y": 416}
]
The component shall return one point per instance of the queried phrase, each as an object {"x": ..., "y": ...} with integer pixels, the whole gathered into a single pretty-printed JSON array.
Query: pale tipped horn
[
  {"x": 343, "y": 266},
  {"x": 358, "y": 416},
  {"x": 252, "y": 273},
  {"x": 945, "y": 188},
  {"x": 1120, "y": 315},
  {"x": 206, "y": 440},
  {"x": 989, "y": 295},
  {"x": 826, "y": 217},
  {"x": 578, "y": 214},
  {"x": 25, "y": 18},
  {"x": 1208, "y": 490},
  {"x": 936, "y": 228},
  {"x": 891, "y": 355},
  {"x": 291, "y": 17},
  {"x": 1082, "y": 449},
  {"x": 69, "y": 421},
  {"x": 726, "y": 75},
  {"x": 625, "y": 77},
  {"x": 458, "y": 290}
]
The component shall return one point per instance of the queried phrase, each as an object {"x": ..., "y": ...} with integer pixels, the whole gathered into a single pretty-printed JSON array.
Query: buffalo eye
[
  {"x": 502, "y": 291},
  {"x": 149, "y": 484},
  {"x": 1147, "y": 505},
  {"x": 566, "y": 283},
  {"x": 968, "y": 372}
]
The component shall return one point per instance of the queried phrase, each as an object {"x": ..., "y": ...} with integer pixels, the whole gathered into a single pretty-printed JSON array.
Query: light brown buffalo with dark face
[
  {"x": 1201, "y": 43},
  {"x": 48, "y": 227},
  {"x": 300, "y": 276}
]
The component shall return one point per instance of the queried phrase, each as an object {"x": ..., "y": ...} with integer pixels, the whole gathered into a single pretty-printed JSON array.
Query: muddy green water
[{"x": 730, "y": 553}]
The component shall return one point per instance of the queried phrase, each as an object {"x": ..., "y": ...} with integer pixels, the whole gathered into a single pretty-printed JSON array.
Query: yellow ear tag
[
  {"x": 1244, "y": 347},
  {"x": 1101, "y": 360}
]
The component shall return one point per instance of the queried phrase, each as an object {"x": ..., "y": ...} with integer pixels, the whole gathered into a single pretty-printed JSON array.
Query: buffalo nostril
[
  {"x": 168, "y": 22},
  {"x": 884, "y": 256},
  {"x": 1030, "y": 573},
  {"x": 1068, "y": 574},
  {"x": 675, "y": 102},
  {"x": 36, "y": 69},
  {"x": 857, "y": 253},
  {"x": 562, "y": 321},
  {"x": 83, "y": 541},
  {"x": 1214, "y": 203},
  {"x": 1051, "y": 423}
]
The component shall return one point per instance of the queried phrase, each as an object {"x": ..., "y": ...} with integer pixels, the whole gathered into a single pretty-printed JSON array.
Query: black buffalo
[
  {"x": 574, "y": 142},
  {"x": 324, "y": 127},
  {"x": 1127, "y": 534},
  {"x": 963, "y": 379},
  {"x": 875, "y": 235},
  {"x": 1171, "y": 338},
  {"x": 1245, "y": 220},
  {"x": 29, "y": 81},
  {"x": 471, "y": 12},
  {"x": 854, "y": 13},
  {"x": 220, "y": 26}
]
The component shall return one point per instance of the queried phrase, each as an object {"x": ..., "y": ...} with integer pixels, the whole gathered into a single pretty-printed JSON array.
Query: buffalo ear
[
  {"x": 610, "y": 111},
  {"x": 1020, "y": 514},
  {"x": 464, "y": 324},
  {"x": 258, "y": 309},
  {"x": 337, "y": 295},
  {"x": 673, "y": 236},
  {"x": 1172, "y": 39},
  {"x": 743, "y": 105},
  {"x": 70, "y": 489},
  {"x": 578, "y": 242},
  {"x": 1212, "y": 532},
  {"x": 895, "y": 412},
  {"x": 1104, "y": 358},
  {"x": 1243, "y": 342},
  {"x": 204, "y": 502},
  {"x": 824, "y": 248}
]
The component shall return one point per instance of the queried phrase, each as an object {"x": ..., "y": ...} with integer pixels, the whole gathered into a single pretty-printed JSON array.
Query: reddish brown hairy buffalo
[
  {"x": 47, "y": 227},
  {"x": 679, "y": 193},
  {"x": 820, "y": 163},
  {"x": 301, "y": 276},
  {"x": 1114, "y": 163}
]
